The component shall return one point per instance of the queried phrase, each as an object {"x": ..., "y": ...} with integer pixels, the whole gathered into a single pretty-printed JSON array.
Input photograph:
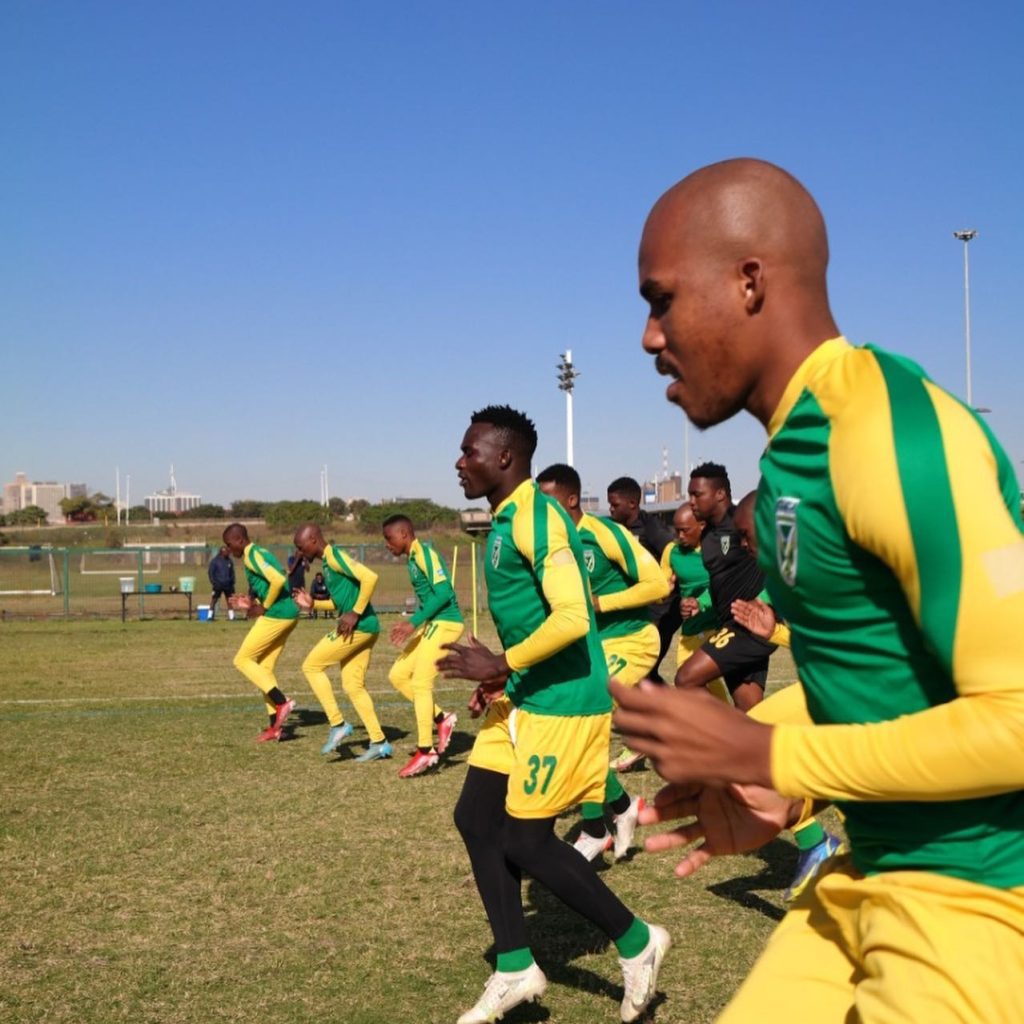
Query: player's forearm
[
  {"x": 647, "y": 591},
  {"x": 968, "y": 747},
  {"x": 440, "y": 596}
]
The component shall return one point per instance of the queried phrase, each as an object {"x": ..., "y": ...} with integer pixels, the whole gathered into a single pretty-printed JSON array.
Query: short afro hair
[
  {"x": 625, "y": 485},
  {"x": 713, "y": 472},
  {"x": 517, "y": 430},
  {"x": 561, "y": 475}
]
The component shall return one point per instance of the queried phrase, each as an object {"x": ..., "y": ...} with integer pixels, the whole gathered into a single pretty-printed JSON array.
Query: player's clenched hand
[
  {"x": 691, "y": 737},
  {"x": 254, "y": 610},
  {"x": 347, "y": 624},
  {"x": 733, "y": 819},
  {"x": 474, "y": 661},
  {"x": 302, "y": 599},
  {"x": 688, "y": 607},
  {"x": 756, "y": 616},
  {"x": 401, "y": 632}
]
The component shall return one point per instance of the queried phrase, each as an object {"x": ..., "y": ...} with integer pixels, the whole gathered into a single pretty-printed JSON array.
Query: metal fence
[{"x": 54, "y": 582}]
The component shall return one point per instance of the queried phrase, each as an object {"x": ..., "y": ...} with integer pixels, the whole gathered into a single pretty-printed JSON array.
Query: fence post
[{"x": 67, "y": 582}]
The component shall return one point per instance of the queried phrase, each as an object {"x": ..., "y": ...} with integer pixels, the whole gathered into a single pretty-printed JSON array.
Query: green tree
[
  {"x": 248, "y": 508},
  {"x": 78, "y": 510},
  {"x": 206, "y": 511},
  {"x": 30, "y": 515},
  {"x": 286, "y": 514},
  {"x": 423, "y": 513},
  {"x": 139, "y": 514},
  {"x": 357, "y": 506},
  {"x": 338, "y": 507}
]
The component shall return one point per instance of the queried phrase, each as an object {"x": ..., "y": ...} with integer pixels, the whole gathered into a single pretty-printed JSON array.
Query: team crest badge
[
  {"x": 726, "y": 542},
  {"x": 496, "y": 552},
  {"x": 589, "y": 561},
  {"x": 786, "y": 545}
]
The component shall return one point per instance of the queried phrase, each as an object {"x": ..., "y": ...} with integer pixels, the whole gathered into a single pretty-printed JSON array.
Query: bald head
[
  {"x": 733, "y": 261},
  {"x": 745, "y": 208},
  {"x": 688, "y": 528},
  {"x": 309, "y": 541},
  {"x": 743, "y": 518}
]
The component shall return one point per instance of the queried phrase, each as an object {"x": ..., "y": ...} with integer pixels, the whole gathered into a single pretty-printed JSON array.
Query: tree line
[{"x": 99, "y": 507}]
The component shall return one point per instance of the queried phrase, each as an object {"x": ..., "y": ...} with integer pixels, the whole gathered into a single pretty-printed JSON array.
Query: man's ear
[{"x": 753, "y": 283}]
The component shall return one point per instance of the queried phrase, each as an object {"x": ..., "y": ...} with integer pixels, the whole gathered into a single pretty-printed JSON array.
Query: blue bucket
[{"x": 203, "y": 613}]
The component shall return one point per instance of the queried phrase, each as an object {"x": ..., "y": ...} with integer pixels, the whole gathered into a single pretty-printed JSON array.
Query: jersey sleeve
[
  {"x": 563, "y": 587},
  {"x": 276, "y": 581},
  {"x": 957, "y": 552},
  {"x": 637, "y": 563},
  {"x": 441, "y": 592}
]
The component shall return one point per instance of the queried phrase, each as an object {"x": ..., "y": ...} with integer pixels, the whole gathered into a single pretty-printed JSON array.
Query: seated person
[{"x": 319, "y": 592}]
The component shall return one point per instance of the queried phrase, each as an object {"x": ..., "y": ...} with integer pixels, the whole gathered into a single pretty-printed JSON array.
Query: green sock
[
  {"x": 514, "y": 960},
  {"x": 612, "y": 787},
  {"x": 810, "y": 835},
  {"x": 634, "y": 941},
  {"x": 591, "y": 811}
]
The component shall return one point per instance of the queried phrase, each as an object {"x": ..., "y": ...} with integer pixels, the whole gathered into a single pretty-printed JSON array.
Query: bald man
[
  {"x": 348, "y": 646},
  {"x": 889, "y": 529},
  {"x": 275, "y": 614}
]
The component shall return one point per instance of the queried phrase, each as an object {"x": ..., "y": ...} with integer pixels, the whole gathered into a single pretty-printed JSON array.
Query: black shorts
[
  {"x": 740, "y": 656},
  {"x": 222, "y": 592}
]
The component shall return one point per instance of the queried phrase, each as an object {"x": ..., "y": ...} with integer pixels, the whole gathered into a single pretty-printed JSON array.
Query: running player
[
  {"x": 276, "y": 615},
  {"x": 435, "y": 623},
  {"x": 889, "y": 525},
  {"x": 624, "y": 496},
  {"x": 624, "y": 581},
  {"x": 349, "y": 645},
  {"x": 543, "y": 745},
  {"x": 732, "y": 651}
]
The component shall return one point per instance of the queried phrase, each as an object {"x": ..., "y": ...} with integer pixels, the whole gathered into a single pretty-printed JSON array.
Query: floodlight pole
[
  {"x": 965, "y": 237},
  {"x": 567, "y": 375}
]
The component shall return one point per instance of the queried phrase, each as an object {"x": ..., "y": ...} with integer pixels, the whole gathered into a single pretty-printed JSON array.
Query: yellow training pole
[
  {"x": 473, "y": 581},
  {"x": 455, "y": 563}
]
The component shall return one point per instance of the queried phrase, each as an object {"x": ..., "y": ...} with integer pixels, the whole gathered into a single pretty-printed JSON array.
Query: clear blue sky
[{"x": 252, "y": 238}]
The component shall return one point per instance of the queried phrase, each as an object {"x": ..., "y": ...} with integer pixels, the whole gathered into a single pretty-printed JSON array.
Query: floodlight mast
[
  {"x": 965, "y": 236},
  {"x": 567, "y": 375}
]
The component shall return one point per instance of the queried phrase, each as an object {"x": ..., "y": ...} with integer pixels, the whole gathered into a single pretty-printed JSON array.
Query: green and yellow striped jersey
[
  {"x": 623, "y": 574},
  {"x": 692, "y": 580},
  {"x": 537, "y": 595},
  {"x": 351, "y": 584},
  {"x": 429, "y": 577},
  {"x": 269, "y": 582},
  {"x": 889, "y": 528}
]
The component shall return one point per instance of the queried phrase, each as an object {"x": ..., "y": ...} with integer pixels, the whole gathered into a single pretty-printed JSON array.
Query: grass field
[{"x": 162, "y": 867}]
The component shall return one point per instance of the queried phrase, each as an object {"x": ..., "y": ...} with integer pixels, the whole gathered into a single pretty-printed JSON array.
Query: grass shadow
[{"x": 779, "y": 863}]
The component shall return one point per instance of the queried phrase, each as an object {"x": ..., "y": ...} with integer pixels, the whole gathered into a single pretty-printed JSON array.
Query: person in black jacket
[{"x": 221, "y": 571}]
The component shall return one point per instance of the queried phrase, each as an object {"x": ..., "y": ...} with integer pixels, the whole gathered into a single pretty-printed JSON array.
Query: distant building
[
  {"x": 171, "y": 500},
  {"x": 590, "y": 503},
  {"x": 671, "y": 488},
  {"x": 47, "y": 495}
]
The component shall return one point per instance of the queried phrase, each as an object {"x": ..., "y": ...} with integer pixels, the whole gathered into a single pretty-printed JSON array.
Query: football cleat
[
  {"x": 627, "y": 760},
  {"x": 376, "y": 752},
  {"x": 592, "y": 846},
  {"x": 640, "y": 974},
  {"x": 503, "y": 991},
  {"x": 283, "y": 711},
  {"x": 271, "y": 734},
  {"x": 419, "y": 763},
  {"x": 809, "y": 864},
  {"x": 623, "y": 827},
  {"x": 445, "y": 728},
  {"x": 335, "y": 736}
]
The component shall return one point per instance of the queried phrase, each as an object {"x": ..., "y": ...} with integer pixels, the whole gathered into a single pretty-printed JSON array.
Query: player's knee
[
  {"x": 241, "y": 661},
  {"x": 524, "y": 840},
  {"x": 353, "y": 686}
]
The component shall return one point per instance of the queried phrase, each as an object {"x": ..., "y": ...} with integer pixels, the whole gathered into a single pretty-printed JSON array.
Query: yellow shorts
[
  {"x": 688, "y": 645},
  {"x": 553, "y": 762},
  {"x": 631, "y": 657},
  {"x": 894, "y": 948}
]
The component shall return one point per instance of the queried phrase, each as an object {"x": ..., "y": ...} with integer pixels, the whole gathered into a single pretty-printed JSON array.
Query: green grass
[{"x": 162, "y": 867}]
